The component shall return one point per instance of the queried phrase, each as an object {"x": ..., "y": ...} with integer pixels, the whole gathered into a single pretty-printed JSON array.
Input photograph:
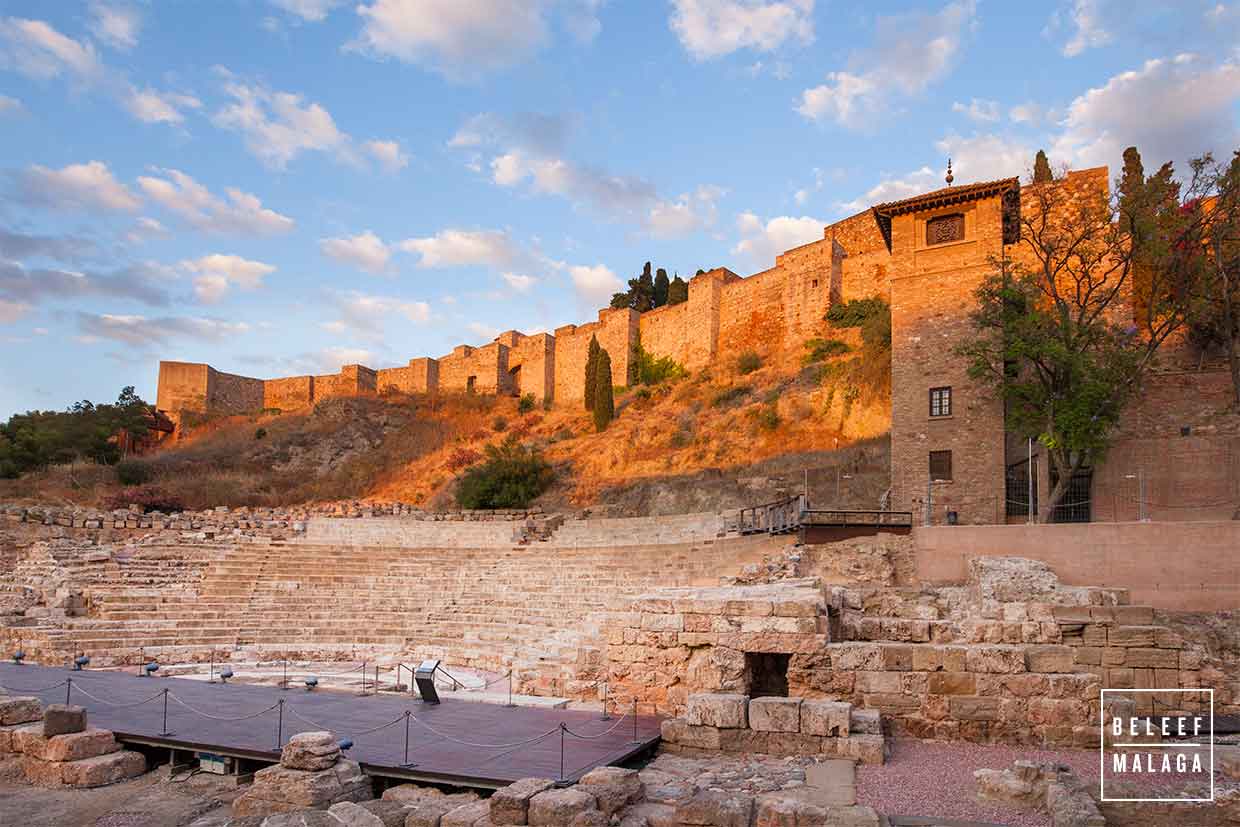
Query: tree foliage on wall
[
  {"x": 1042, "y": 169},
  {"x": 677, "y": 291},
  {"x": 647, "y": 291},
  {"x": 37, "y": 439},
  {"x": 604, "y": 399},
  {"x": 1054, "y": 343},
  {"x": 591, "y": 372}
]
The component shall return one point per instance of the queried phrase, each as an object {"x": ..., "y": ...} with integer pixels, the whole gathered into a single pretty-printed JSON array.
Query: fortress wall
[
  {"x": 229, "y": 393},
  {"x": 478, "y": 370},
  {"x": 863, "y": 259},
  {"x": 617, "y": 331},
  {"x": 182, "y": 386},
  {"x": 531, "y": 363},
  {"x": 288, "y": 394},
  {"x": 751, "y": 313},
  {"x": 663, "y": 332},
  {"x": 807, "y": 272}
]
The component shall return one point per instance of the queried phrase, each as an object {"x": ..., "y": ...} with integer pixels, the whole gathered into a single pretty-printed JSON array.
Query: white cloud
[
  {"x": 141, "y": 331},
  {"x": 365, "y": 251},
  {"x": 688, "y": 213},
  {"x": 594, "y": 285},
  {"x": 485, "y": 332},
  {"x": 713, "y": 28},
  {"x": 144, "y": 229},
  {"x": 86, "y": 186},
  {"x": 312, "y": 11},
  {"x": 241, "y": 214},
  {"x": 365, "y": 314},
  {"x": 1171, "y": 109},
  {"x": 910, "y": 52},
  {"x": 760, "y": 242},
  {"x": 1030, "y": 113},
  {"x": 9, "y": 105},
  {"x": 115, "y": 25},
  {"x": 216, "y": 273},
  {"x": 463, "y": 248},
  {"x": 152, "y": 106},
  {"x": 38, "y": 50},
  {"x": 331, "y": 359},
  {"x": 388, "y": 153},
  {"x": 11, "y": 311},
  {"x": 518, "y": 282},
  {"x": 459, "y": 38},
  {"x": 983, "y": 111},
  {"x": 1089, "y": 28}
]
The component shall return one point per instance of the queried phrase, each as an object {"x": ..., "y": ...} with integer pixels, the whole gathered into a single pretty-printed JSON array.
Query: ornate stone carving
[{"x": 945, "y": 228}]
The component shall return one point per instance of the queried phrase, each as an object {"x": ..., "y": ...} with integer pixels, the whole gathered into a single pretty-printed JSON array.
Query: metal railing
[
  {"x": 778, "y": 517},
  {"x": 852, "y": 517}
]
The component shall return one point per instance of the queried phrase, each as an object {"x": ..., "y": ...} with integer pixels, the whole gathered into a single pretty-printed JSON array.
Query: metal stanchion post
[
  {"x": 280, "y": 726},
  {"x": 211, "y": 674},
  {"x": 363, "y": 677},
  {"x": 284, "y": 680},
  {"x": 605, "y": 717},
  {"x": 165, "y": 732},
  {"x": 510, "y": 687},
  {"x": 635, "y": 720},
  {"x": 408, "y": 717},
  {"x": 68, "y": 689},
  {"x": 562, "y": 729}
]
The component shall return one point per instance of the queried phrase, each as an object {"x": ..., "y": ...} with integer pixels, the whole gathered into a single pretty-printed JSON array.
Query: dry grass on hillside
[{"x": 721, "y": 437}]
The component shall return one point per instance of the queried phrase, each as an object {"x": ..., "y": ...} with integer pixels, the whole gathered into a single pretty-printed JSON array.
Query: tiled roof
[{"x": 947, "y": 196}]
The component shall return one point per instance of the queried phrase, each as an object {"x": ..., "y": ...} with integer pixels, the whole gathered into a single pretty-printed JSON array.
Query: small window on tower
[
  {"x": 945, "y": 228},
  {"x": 941, "y": 401},
  {"x": 940, "y": 466}
]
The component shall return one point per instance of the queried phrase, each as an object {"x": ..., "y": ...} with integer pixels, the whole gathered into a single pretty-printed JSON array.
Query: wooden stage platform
[{"x": 456, "y": 742}]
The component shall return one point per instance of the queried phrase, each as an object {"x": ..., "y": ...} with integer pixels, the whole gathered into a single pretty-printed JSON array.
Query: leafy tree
[
  {"x": 1042, "y": 169},
  {"x": 661, "y": 285},
  {"x": 604, "y": 399},
  {"x": 37, "y": 439},
  {"x": 678, "y": 291},
  {"x": 511, "y": 477},
  {"x": 591, "y": 372},
  {"x": 640, "y": 295},
  {"x": 1053, "y": 343}
]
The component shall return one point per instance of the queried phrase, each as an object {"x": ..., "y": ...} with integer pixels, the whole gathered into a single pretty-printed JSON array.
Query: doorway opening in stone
[
  {"x": 766, "y": 674},
  {"x": 469, "y": 384}
]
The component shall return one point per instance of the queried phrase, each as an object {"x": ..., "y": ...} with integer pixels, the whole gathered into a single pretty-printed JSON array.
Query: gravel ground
[{"x": 926, "y": 779}]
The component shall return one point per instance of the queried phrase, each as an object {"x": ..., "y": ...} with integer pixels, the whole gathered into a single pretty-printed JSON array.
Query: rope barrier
[
  {"x": 1165, "y": 505},
  {"x": 78, "y": 688},
  {"x": 607, "y": 731},
  {"x": 447, "y": 737},
  {"x": 223, "y": 717},
  {"x": 373, "y": 729},
  {"x": 292, "y": 711},
  {"x": 34, "y": 691}
]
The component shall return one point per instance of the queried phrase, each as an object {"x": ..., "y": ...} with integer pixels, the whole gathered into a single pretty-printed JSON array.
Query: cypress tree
[
  {"x": 1131, "y": 188},
  {"x": 604, "y": 401},
  {"x": 592, "y": 358},
  {"x": 661, "y": 285},
  {"x": 678, "y": 291},
  {"x": 643, "y": 290},
  {"x": 1042, "y": 169}
]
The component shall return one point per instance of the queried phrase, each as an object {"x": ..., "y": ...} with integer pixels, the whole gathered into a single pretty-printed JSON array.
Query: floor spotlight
[
  {"x": 225, "y": 674},
  {"x": 311, "y": 682},
  {"x": 150, "y": 669},
  {"x": 19, "y": 656},
  {"x": 345, "y": 744},
  {"x": 80, "y": 663}
]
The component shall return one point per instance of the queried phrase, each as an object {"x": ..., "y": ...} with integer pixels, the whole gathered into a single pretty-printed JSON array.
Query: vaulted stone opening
[{"x": 766, "y": 674}]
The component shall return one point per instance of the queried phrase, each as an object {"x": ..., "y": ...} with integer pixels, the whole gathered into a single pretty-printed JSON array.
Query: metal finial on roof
[{"x": 950, "y": 177}]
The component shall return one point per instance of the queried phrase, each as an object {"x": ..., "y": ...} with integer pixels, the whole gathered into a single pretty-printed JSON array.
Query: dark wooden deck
[{"x": 456, "y": 742}]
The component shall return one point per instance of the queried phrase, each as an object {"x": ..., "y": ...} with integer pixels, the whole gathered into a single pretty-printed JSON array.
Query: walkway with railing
[{"x": 793, "y": 515}]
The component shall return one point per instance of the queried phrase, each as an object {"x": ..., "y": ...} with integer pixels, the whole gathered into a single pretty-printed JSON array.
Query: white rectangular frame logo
[{"x": 1102, "y": 759}]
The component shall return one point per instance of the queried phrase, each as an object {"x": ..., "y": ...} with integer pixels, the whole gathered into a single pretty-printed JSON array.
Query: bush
[
  {"x": 260, "y": 433},
  {"x": 730, "y": 396},
  {"x": 526, "y": 403},
  {"x": 855, "y": 312},
  {"x": 748, "y": 362},
  {"x": 499, "y": 424},
  {"x": 147, "y": 498},
  {"x": 767, "y": 417},
  {"x": 511, "y": 477},
  {"x": 652, "y": 370},
  {"x": 133, "y": 472},
  {"x": 819, "y": 349}
]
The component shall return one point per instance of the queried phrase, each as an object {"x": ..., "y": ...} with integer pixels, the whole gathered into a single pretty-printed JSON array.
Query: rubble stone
[
  {"x": 312, "y": 751},
  {"x": 19, "y": 709},
  {"x": 558, "y": 807},
  {"x": 717, "y": 710},
  {"x": 62, "y": 719},
  {"x": 775, "y": 714},
  {"x": 511, "y": 804}
]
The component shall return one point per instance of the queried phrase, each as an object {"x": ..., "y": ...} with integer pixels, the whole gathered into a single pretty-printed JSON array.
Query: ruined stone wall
[
  {"x": 861, "y": 259},
  {"x": 531, "y": 363},
  {"x": 288, "y": 394},
  {"x": 617, "y": 332},
  {"x": 229, "y": 393},
  {"x": 182, "y": 386},
  {"x": 353, "y": 380},
  {"x": 475, "y": 370}
]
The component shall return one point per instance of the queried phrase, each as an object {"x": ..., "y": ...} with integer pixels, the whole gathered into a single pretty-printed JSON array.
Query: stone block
[
  {"x": 613, "y": 788},
  {"x": 716, "y": 809},
  {"x": 775, "y": 714},
  {"x": 975, "y": 709},
  {"x": 776, "y": 810},
  {"x": 888, "y": 682},
  {"x": 280, "y": 789},
  {"x": 19, "y": 709},
  {"x": 511, "y": 804},
  {"x": 939, "y": 659},
  {"x": 951, "y": 683},
  {"x": 1134, "y": 615},
  {"x": 1131, "y": 636},
  {"x": 350, "y": 814},
  {"x": 676, "y": 731},
  {"x": 825, "y": 717},
  {"x": 311, "y": 751},
  {"x": 717, "y": 710},
  {"x": 389, "y": 813},
  {"x": 1227, "y": 759},
  {"x": 88, "y": 772},
  {"x": 995, "y": 659},
  {"x": 429, "y": 812},
  {"x": 650, "y": 814},
  {"x": 558, "y": 807},
  {"x": 74, "y": 746},
  {"x": 865, "y": 722},
  {"x": 62, "y": 719},
  {"x": 1152, "y": 658},
  {"x": 868, "y": 749},
  {"x": 466, "y": 815},
  {"x": 1049, "y": 659}
]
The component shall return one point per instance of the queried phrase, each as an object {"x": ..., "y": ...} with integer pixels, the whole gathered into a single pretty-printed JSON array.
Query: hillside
[{"x": 729, "y": 436}]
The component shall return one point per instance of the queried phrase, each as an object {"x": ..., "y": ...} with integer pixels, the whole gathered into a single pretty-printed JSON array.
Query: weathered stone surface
[
  {"x": 775, "y": 714},
  {"x": 282, "y": 789},
  {"x": 716, "y": 809},
  {"x": 650, "y": 814},
  {"x": 1071, "y": 807},
  {"x": 590, "y": 818},
  {"x": 865, "y": 722},
  {"x": 311, "y": 751},
  {"x": 511, "y": 804},
  {"x": 62, "y": 719},
  {"x": 868, "y": 749},
  {"x": 558, "y": 807},
  {"x": 1227, "y": 759},
  {"x": 677, "y": 731},
  {"x": 350, "y": 814},
  {"x": 305, "y": 818},
  {"x": 825, "y": 717},
  {"x": 613, "y": 788},
  {"x": 72, "y": 747},
  {"x": 391, "y": 813},
  {"x": 466, "y": 815},
  {"x": 19, "y": 709},
  {"x": 88, "y": 772},
  {"x": 430, "y": 812},
  {"x": 775, "y": 810},
  {"x": 717, "y": 710}
]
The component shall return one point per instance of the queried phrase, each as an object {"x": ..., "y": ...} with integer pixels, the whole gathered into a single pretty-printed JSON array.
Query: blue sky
[{"x": 282, "y": 186}]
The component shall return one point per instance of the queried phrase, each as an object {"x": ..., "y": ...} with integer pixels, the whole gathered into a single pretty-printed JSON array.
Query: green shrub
[
  {"x": 511, "y": 477},
  {"x": 748, "y": 362},
  {"x": 730, "y": 396},
  {"x": 652, "y": 370},
  {"x": 499, "y": 424},
  {"x": 820, "y": 349},
  {"x": 526, "y": 403},
  {"x": 768, "y": 418},
  {"x": 133, "y": 472},
  {"x": 260, "y": 433},
  {"x": 855, "y": 312},
  {"x": 772, "y": 396}
]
